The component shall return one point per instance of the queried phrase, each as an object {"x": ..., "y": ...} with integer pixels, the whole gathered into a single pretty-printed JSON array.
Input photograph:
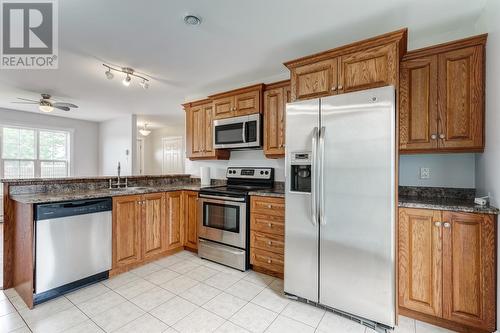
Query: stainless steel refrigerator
[{"x": 340, "y": 204}]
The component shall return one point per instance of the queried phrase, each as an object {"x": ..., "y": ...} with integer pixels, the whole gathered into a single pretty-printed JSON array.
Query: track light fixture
[{"x": 129, "y": 73}]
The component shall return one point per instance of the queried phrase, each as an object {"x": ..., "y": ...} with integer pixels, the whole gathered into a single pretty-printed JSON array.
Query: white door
[
  {"x": 173, "y": 161},
  {"x": 140, "y": 155}
]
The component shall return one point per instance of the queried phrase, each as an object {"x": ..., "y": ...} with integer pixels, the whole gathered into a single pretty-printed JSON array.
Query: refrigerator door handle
[
  {"x": 322, "y": 219},
  {"x": 314, "y": 182}
]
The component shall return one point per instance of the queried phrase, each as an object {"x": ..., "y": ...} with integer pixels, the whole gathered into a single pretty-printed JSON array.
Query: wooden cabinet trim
[
  {"x": 237, "y": 91},
  {"x": 399, "y": 36},
  {"x": 445, "y": 47}
]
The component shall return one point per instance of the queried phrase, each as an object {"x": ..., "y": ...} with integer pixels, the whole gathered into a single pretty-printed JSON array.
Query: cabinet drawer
[
  {"x": 268, "y": 260},
  {"x": 268, "y": 224},
  {"x": 268, "y": 206},
  {"x": 268, "y": 242}
]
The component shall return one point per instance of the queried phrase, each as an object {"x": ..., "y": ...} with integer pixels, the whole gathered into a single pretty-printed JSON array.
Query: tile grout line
[{"x": 19, "y": 314}]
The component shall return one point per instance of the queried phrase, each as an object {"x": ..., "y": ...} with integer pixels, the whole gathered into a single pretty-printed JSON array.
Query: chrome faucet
[{"x": 118, "y": 183}]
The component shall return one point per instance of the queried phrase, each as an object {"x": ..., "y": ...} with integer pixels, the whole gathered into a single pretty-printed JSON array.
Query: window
[{"x": 31, "y": 152}]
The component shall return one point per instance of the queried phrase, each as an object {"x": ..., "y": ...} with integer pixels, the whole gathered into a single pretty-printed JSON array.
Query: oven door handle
[{"x": 221, "y": 198}]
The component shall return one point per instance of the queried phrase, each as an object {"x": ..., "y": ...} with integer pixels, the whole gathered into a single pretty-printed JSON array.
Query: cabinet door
[
  {"x": 126, "y": 230},
  {"x": 461, "y": 98},
  {"x": 191, "y": 219},
  {"x": 314, "y": 80},
  {"x": 273, "y": 122},
  {"x": 224, "y": 107},
  {"x": 418, "y": 104},
  {"x": 208, "y": 123},
  {"x": 247, "y": 103},
  {"x": 469, "y": 269},
  {"x": 154, "y": 226},
  {"x": 371, "y": 68},
  {"x": 198, "y": 131},
  {"x": 175, "y": 220},
  {"x": 420, "y": 260}
]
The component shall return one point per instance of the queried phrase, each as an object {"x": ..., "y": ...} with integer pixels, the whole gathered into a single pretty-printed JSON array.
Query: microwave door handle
[{"x": 244, "y": 132}]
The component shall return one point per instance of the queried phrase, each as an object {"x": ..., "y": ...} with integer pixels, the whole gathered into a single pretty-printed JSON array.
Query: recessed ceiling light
[{"x": 192, "y": 20}]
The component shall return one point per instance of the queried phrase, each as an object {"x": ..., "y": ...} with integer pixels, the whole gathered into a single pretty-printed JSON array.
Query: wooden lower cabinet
[
  {"x": 127, "y": 217},
  {"x": 147, "y": 227},
  {"x": 447, "y": 268},
  {"x": 175, "y": 220},
  {"x": 153, "y": 223},
  {"x": 267, "y": 235},
  {"x": 191, "y": 219}
]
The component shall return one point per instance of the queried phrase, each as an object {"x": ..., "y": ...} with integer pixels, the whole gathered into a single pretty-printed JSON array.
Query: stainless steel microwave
[{"x": 238, "y": 132}]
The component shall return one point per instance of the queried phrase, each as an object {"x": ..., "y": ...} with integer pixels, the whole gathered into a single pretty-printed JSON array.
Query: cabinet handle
[
  {"x": 437, "y": 224},
  {"x": 269, "y": 261},
  {"x": 447, "y": 225},
  {"x": 270, "y": 225},
  {"x": 434, "y": 136},
  {"x": 269, "y": 206},
  {"x": 269, "y": 243},
  {"x": 442, "y": 136},
  {"x": 340, "y": 87},
  {"x": 334, "y": 88}
]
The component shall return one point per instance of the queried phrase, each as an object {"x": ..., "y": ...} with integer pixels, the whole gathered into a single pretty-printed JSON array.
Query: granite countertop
[
  {"x": 69, "y": 180},
  {"x": 442, "y": 198},
  {"x": 48, "y": 197},
  {"x": 446, "y": 204},
  {"x": 269, "y": 193}
]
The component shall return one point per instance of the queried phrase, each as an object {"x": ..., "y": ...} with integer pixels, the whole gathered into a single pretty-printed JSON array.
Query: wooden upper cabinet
[
  {"x": 248, "y": 103},
  {"x": 420, "y": 261},
  {"x": 418, "y": 104},
  {"x": 208, "y": 128},
  {"x": 362, "y": 65},
  {"x": 154, "y": 226},
  {"x": 198, "y": 126},
  {"x": 126, "y": 230},
  {"x": 199, "y": 132},
  {"x": 469, "y": 266},
  {"x": 275, "y": 98},
  {"x": 461, "y": 98},
  {"x": 175, "y": 220},
  {"x": 224, "y": 107},
  {"x": 191, "y": 219},
  {"x": 314, "y": 80},
  {"x": 441, "y": 93},
  {"x": 239, "y": 102},
  {"x": 371, "y": 68}
]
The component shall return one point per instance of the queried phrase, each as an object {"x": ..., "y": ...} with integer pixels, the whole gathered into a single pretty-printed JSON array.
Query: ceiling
[{"x": 238, "y": 43}]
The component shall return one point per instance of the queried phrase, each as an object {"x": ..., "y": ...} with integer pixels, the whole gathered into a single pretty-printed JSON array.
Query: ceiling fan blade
[
  {"x": 26, "y": 99},
  {"x": 64, "y": 108},
  {"x": 69, "y": 105},
  {"x": 25, "y": 102}
]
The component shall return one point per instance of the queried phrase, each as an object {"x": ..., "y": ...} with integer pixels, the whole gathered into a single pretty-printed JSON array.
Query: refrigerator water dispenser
[{"x": 300, "y": 164}]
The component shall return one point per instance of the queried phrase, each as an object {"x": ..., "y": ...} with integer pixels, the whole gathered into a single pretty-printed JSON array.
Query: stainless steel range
[{"x": 224, "y": 216}]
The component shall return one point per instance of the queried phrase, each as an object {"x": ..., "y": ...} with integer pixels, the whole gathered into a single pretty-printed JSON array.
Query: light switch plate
[{"x": 425, "y": 173}]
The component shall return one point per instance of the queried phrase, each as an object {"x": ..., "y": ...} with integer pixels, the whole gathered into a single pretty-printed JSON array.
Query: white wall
[
  {"x": 254, "y": 158},
  {"x": 85, "y": 156},
  {"x": 117, "y": 143},
  {"x": 446, "y": 170}
]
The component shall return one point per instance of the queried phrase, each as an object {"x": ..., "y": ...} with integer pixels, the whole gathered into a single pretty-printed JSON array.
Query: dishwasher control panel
[{"x": 71, "y": 208}]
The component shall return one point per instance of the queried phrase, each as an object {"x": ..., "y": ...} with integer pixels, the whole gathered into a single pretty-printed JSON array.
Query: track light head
[
  {"x": 144, "y": 84},
  {"x": 109, "y": 74},
  {"x": 126, "y": 80}
]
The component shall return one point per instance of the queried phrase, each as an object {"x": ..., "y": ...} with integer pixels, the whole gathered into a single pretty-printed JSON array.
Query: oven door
[
  {"x": 223, "y": 220},
  {"x": 237, "y": 132}
]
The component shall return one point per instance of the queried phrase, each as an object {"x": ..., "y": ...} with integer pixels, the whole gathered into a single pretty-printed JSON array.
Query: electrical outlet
[{"x": 425, "y": 173}]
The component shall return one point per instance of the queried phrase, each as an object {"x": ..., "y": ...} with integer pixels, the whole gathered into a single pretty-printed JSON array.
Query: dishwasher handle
[{"x": 72, "y": 208}]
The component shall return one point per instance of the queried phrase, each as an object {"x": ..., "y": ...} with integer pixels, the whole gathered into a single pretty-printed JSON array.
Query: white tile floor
[{"x": 180, "y": 293}]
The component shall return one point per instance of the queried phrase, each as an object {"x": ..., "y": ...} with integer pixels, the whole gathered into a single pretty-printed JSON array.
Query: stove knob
[
  {"x": 261, "y": 172},
  {"x": 267, "y": 172}
]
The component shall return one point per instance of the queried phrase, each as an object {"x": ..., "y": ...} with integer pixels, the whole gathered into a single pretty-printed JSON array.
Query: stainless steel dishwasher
[{"x": 72, "y": 246}]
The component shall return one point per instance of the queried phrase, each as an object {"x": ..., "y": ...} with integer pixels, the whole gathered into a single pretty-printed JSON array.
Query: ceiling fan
[{"x": 46, "y": 104}]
